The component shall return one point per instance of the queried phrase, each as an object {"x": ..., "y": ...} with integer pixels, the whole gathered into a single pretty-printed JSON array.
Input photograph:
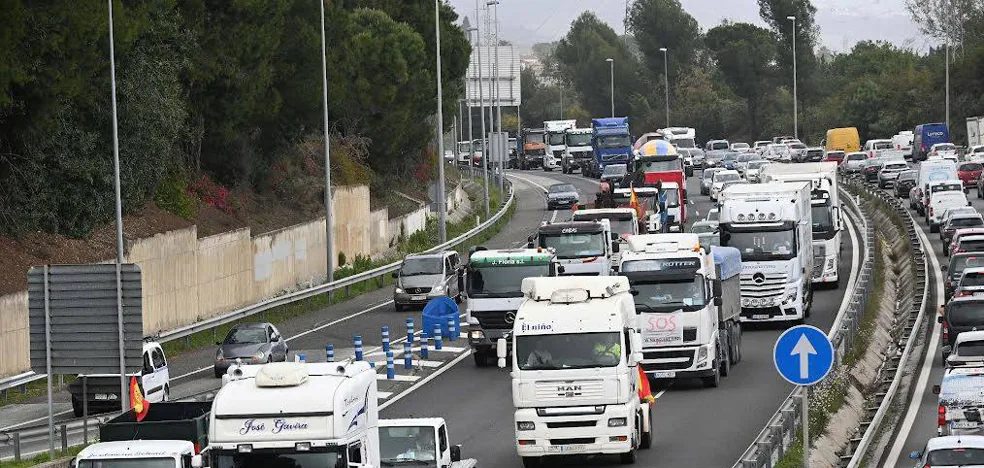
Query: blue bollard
[
  {"x": 386, "y": 339},
  {"x": 407, "y": 355},
  {"x": 330, "y": 353},
  {"x": 424, "y": 344},
  {"x": 390, "y": 369},
  {"x": 410, "y": 330},
  {"x": 301, "y": 357},
  {"x": 358, "y": 347},
  {"x": 437, "y": 338},
  {"x": 452, "y": 330}
]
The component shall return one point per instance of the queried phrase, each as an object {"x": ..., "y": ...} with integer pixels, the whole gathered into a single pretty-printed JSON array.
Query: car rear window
[
  {"x": 966, "y": 222},
  {"x": 972, "y": 166}
]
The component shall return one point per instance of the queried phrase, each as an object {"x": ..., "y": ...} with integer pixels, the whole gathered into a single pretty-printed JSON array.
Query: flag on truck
[
  {"x": 137, "y": 402},
  {"x": 645, "y": 393},
  {"x": 634, "y": 202}
]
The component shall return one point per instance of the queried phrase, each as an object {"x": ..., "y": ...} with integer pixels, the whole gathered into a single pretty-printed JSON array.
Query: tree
[
  {"x": 664, "y": 23},
  {"x": 746, "y": 56},
  {"x": 952, "y": 21},
  {"x": 775, "y": 13}
]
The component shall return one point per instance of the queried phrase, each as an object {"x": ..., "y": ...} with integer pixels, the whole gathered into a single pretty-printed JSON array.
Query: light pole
[
  {"x": 666, "y": 84},
  {"x": 329, "y": 225},
  {"x": 948, "y": 85},
  {"x": 441, "y": 208},
  {"x": 498, "y": 104},
  {"x": 795, "y": 110},
  {"x": 481, "y": 107},
  {"x": 471, "y": 139},
  {"x": 611, "y": 66}
]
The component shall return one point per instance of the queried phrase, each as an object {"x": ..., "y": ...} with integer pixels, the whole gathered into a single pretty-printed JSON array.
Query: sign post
[{"x": 804, "y": 356}]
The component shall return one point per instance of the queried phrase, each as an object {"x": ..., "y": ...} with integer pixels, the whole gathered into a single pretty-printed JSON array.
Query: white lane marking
[
  {"x": 853, "y": 276},
  {"x": 398, "y": 378},
  {"x": 659, "y": 394},
  {"x": 927, "y": 365},
  {"x": 424, "y": 381},
  {"x": 305, "y": 333},
  {"x": 383, "y": 395},
  {"x": 528, "y": 181},
  {"x": 553, "y": 217}
]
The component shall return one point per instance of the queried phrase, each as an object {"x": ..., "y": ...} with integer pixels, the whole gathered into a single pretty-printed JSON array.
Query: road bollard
[
  {"x": 452, "y": 330},
  {"x": 437, "y": 338},
  {"x": 407, "y": 355},
  {"x": 386, "y": 339},
  {"x": 64, "y": 438},
  {"x": 424, "y": 344},
  {"x": 302, "y": 357},
  {"x": 410, "y": 330},
  {"x": 330, "y": 353},
  {"x": 357, "y": 340},
  {"x": 17, "y": 447},
  {"x": 390, "y": 369}
]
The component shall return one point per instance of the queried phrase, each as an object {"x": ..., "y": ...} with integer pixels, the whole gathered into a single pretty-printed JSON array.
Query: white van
[{"x": 939, "y": 202}]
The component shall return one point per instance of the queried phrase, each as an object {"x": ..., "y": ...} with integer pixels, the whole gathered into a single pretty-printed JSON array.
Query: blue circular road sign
[{"x": 803, "y": 355}]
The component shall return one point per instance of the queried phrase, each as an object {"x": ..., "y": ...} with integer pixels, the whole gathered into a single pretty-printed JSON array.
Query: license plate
[
  {"x": 963, "y": 424},
  {"x": 417, "y": 298},
  {"x": 760, "y": 317},
  {"x": 102, "y": 396},
  {"x": 663, "y": 375},
  {"x": 565, "y": 448}
]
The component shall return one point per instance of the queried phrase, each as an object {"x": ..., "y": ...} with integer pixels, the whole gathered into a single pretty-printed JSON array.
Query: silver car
[
  {"x": 708, "y": 179},
  {"x": 753, "y": 170},
  {"x": 423, "y": 277},
  {"x": 561, "y": 196},
  {"x": 890, "y": 170},
  {"x": 250, "y": 343},
  {"x": 854, "y": 161},
  {"x": 707, "y": 233}
]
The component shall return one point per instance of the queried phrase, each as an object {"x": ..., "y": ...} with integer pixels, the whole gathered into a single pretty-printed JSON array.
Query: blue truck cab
[
  {"x": 927, "y": 135},
  {"x": 611, "y": 143}
]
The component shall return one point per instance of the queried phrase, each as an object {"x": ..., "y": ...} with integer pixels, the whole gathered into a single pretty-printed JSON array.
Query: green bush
[{"x": 172, "y": 196}]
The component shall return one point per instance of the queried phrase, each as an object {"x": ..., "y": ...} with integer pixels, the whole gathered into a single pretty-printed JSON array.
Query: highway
[
  {"x": 478, "y": 402},
  {"x": 919, "y": 419}
]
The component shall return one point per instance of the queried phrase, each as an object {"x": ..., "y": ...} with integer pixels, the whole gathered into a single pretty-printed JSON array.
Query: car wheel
[
  {"x": 399, "y": 307},
  {"x": 167, "y": 394},
  {"x": 481, "y": 358}
]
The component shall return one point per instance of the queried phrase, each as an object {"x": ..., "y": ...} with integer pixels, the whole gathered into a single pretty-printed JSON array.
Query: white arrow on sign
[{"x": 804, "y": 348}]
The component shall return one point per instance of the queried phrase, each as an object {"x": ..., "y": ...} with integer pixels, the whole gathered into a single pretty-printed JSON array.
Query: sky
[{"x": 842, "y": 22}]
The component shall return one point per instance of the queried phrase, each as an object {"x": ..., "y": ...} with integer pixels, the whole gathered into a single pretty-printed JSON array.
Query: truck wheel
[
  {"x": 713, "y": 381},
  {"x": 740, "y": 339},
  {"x": 398, "y": 307},
  {"x": 77, "y": 407},
  {"x": 646, "y": 441},
  {"x": 725, "y": 359},
  {"x": 734, "y": 342},
  {"x": 531, "y": 462},
  {"x": 481, "y": 358},
  {"x": 627, "y": 458}
]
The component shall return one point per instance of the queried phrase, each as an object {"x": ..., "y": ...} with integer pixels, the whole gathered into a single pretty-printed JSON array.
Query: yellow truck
[{"x": 844, "y": 139}]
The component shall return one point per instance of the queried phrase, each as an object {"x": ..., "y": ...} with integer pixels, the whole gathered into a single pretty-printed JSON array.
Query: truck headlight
[
  {"x": 790, "y": 295},
  {"x": 617, "y": 422},
  {"x": 477, "y": 334},
  {"x": 527, "y": 425},
  {"x": 702, "y": 353}
]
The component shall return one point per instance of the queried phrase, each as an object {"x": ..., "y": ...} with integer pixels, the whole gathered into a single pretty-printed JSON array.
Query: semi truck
[
  {"x": 689, "y": 302},
  {"x": 577, "y": 153},
  {"x": 171, "y": 435},
  {"x": 771, "y": 226},
  {"x": 556, "y": 136},
  {"x": 583, "y": 248},
  {"x": 534, "y": 148},
  {"x": 975, "y": 131},
  {"x": 493, "y": 280},
  {"x": 666, "y": 172},
  {"x": 681, "y": 137},
  {"x": 611, "y": 142},
  {"x": 828, "y": 225},
  {"x": 575, "y": 370},
  {"x": 296, "y": 414}
]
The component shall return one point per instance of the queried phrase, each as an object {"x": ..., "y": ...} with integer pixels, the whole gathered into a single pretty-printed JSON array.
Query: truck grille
[
  {"x": 818, "y": 267},
  {"x": 573, "y": 441},
  {"x": 615, "y": 158},
  {"x": 569, "y": 424},
  {"x": 493, "y": 319},
  {"x": 687, "y": 354},
  {"x": 762, "y": 285},
  {"x": 418, "y": 290},
  {"x": 770, "y": 311},
  {"x": 560, "y": 390}
]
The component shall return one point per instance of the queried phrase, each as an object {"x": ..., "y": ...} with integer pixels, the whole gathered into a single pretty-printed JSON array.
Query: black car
[
  {"x": 871, "y": 168},
  {"x": 958, "y": 263},
  {"x": 904, "y": 183},
  {"x": 959, "y": 315}
]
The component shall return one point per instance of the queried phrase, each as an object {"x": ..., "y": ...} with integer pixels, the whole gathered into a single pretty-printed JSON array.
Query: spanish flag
[
  {"x": 634, "y": 202},
  {"x": 137, "y": 402},
  {"x": 645, "y": 393},
  {"x": 574, "y": 207}
]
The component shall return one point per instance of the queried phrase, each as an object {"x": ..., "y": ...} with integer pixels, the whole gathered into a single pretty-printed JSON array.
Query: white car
[
  {"x": 742, "y": 147},
  {"x": 753, "y": 170},
  {"x": 778, "y": 152},
  {"x": 965, "y": 450},
  {"x": 975, "y": 154},
  {"x": 944, "y": 150},
  {"x": 939, "y": 202},
  {"x": 720, "y": 180},
  {"x": 760, "y": 146}
]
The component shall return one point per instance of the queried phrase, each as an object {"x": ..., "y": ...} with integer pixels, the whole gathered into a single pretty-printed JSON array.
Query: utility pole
[
  {"x": 481, "y": 107},
  {"x": 666, "y": 84},
  {"x": 947, "y": 120},
  {"x": 329, "y": 221},
  {"x": 611, "y": 63},
  {"x": 795, "y": 110},
  {"x": 504, "y": 142},
  {"x": 442, "y": 235}
]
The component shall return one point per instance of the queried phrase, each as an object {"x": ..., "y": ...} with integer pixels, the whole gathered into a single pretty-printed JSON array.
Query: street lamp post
[
  {"x": 498, "y": 104},
  {"x": 947, "y": 120},
  {"x": 481, "y": 107},
  {"x": 441, "y": 208},
  {"x": 611, "y": 66},
  {"x": 795, "y": 110},
  {"x": 329, "y": 225},
  {"x": 666, "y": 84}
]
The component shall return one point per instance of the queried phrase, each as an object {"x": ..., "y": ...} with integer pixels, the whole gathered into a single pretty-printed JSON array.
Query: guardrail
[
  {"x": 19, "y": 380},
  {"x": 781, "y": 431}
]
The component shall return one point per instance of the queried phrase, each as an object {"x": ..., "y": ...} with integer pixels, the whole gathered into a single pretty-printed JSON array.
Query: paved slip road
[{"x": 693, "y": 426}]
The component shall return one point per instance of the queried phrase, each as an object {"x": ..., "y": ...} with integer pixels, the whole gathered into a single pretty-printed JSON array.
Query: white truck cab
[
  {"x": 131, "y": 453},
  {"x": 556, "y": 131},
  {"x": 102, "y": 389},
  {"x": 574, "y": 370},
  {"x": 624, "y": 222},
  {"x": 578, "y": 153},
  {"x": 583, "y": 248},
  {"x": 419, "y": 442},
  {"x": 296, "y": 414}
]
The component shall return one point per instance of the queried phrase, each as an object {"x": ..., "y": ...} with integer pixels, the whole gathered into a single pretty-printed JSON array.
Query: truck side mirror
[
  {"x": 615, "y": 247},
  {"x": 635, "y": 339},
  {"x": 936, "y": 389},
  {"x": 944, "y": 267},
  {"x": 718, "y": 301},
  {"x": 615, "y": 236},
  {"x": 501, "y": 351},
  {"x": 716, "y": 287},
  {"x": 461, "y": 281},
  {"x": 561, "y": 269},
  {"x": 939, "y": 319},
  {"x": 395, "y": 274},
  {"x": 455, "y": 453}
]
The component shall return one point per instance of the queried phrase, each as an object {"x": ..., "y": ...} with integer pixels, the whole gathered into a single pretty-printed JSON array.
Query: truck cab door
[
  {"x": 155, "y": 382},
  {"x": 444, "y": 449}
]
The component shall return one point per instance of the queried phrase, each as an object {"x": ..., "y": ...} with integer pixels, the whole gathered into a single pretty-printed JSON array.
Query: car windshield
[
  {"x": 857, "y": 157},
  {"x": 501, "y": 280},
  {"x": 971, "y": 166},
  {"x": 739, "y": 146},
  {"x": 252, "y": 335},
  {"x": 709, "y": 173},
  {"x": 971, "y": 349},
  {"x": 971, "y": 245},
  {"x": 568, "y": 351},
  {"x": 562, "y": 188},
  {"x": 965, "y": 314},
  {"x": 758, "y": 164},
  {"x": 797, "y": 146},
  {"x": 895, "y": 167},
  {"x": 959, "y": 264},
  {"x": 575, "y": 245},
  {"x": 763, "y": 246},
  {"x": 615, "y": 170},
  {"x": 669, "y": 295},
  {"x": 415, "y": 266},
  {"x": 660, "y": 166},
  {"x": 614, "y": 141},
  {"x": 907, "y": 175},
  {"x": 621, "y": 223},
  {"x": 267, "y": 459},
  {"x": 128, "y": 463},
  {"x": 955, "y": 457},
  {"x": 881, "y": 145},
  {"x": 726, "y": 177},
  {"x": 578, "y": 139},
  {"x": 945, "y": 147},
  {"x": 745, "y": 157},
  {"x": 400, "y": 445}
]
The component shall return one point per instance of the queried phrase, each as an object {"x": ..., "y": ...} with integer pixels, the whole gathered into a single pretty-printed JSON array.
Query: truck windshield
[
  {"x": 763, "y": 245},
  {"x": 684, "y": 142},
  {"x": 621, "y": 223},
  {"x": 556, "y": 138},
  {"x": 670, "y": 295},
  {"x": 568, "y": 351},
  {"x": 533, "y": 138},
  {"x": 823, "y": 221},
  {"x": 407, "y": 445},
  {"x": 464, "y": 147},
  {"x": 660, "y": 166},
  {"x": 501, "y": 281},
  {"x": 575, "y": 245},
  {"x": 965, "y": 314},
  {"x": 272, "y": 458},
  {"x": 128, "y": 463},
  {"x": 578, "y": 139},
  {"x": 955, "y": 457},
  {"x": 614, "y": 141}
]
